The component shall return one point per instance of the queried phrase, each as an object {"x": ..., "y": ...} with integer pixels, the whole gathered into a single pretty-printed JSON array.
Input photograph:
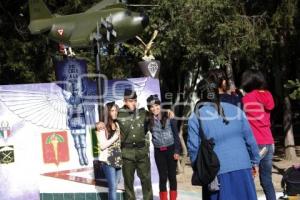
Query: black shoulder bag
[
  {"x": 291, "y": 181},
  {"x": 207, "y": 164}
]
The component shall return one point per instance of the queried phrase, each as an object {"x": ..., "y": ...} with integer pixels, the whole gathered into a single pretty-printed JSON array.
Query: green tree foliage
[
  {"x": 208, "y": 33},
  {"x": 205, "y": 34},
  {"x": 23, "y": 57},
  {"x": 192, "y": 35},
  {"x": 294, "y": 88}
]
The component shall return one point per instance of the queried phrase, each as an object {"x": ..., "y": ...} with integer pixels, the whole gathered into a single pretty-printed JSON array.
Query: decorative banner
[
  {"x": 46, "y": 146},
  {"x": 7, "y": 154}
]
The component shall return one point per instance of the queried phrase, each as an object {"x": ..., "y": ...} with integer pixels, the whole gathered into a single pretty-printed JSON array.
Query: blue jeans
[
  {"x": 265, "y": 171},
  {"x": 113, "y": 177}
]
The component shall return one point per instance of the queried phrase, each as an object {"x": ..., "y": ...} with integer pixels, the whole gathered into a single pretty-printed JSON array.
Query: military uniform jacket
[{"x": 133, "y": 133}]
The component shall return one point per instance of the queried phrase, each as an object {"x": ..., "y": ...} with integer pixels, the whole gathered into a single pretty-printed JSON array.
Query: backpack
[
  {"x": 207, "y": 164},
  {"x": 291, "y": 181}
]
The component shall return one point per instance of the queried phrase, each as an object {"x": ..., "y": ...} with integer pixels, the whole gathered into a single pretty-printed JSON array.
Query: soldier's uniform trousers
[{"x": 137, "y": 159}]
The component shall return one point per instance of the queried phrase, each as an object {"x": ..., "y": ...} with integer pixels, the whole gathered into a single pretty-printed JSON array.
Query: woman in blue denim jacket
[
  {"x": 166, "y": 144},
  {"x": 235, "y": 145}
]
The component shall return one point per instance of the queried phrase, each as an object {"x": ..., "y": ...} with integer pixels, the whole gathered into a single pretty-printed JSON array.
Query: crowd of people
[{"x": 238, "y": 123}]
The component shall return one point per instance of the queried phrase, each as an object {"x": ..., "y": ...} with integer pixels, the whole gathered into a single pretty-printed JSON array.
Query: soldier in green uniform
[{"x": 135, "y": 151}]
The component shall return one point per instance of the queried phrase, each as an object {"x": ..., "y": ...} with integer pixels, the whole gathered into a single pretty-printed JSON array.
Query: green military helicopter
[{"x": 115, "y": 21}]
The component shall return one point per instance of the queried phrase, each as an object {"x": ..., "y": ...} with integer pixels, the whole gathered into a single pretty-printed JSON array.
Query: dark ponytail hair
[
  {"x": 209, "y": 91},
  {"x": 219, "y": 76}
]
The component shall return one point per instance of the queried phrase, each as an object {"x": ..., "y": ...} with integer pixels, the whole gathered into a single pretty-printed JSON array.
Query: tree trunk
[
  {"x": 183, "y": 157},
  {"x": 289, "y": 143},
  {"x": 229, "y": 72},
  {"x": 190, "y": 83}
]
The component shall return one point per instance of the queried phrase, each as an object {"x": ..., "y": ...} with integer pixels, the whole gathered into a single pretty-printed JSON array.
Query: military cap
[{"x": 129, "y": 94}]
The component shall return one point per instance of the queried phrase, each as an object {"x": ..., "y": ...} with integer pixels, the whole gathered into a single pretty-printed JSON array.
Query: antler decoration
[{"x": 148, "y": 55}]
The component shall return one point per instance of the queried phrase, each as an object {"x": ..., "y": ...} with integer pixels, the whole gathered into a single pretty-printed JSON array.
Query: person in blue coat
[{"x": 235, "y": 145}]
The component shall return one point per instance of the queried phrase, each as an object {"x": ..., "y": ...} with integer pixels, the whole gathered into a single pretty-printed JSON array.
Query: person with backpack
[
  {"x": 258, "y": 104},
  {"x": 166, "y": 144},
  {"x": 234, "y": 144}
]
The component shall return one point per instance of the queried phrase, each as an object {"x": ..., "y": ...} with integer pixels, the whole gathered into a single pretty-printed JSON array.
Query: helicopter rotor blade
[
  {"x": 114, "y": 33},
  {"x": 107, "y": 24},
  {"x": 108, "y": 36}
]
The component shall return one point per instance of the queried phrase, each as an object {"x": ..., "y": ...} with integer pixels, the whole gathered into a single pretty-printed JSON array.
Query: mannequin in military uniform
[{"x": 135, "y": 151}]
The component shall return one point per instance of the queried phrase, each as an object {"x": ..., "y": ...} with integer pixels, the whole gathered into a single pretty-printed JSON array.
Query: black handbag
[
  {"x": 207, "y": 164},
  {"x": 291, "y": 181}
]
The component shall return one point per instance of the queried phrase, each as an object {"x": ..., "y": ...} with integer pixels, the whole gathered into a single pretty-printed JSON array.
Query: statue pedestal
[{"x": 150, "y": 68}]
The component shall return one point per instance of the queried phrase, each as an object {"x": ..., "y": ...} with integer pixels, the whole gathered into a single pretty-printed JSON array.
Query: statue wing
[
  {"x": 153, "y": 37},
  {"x": 140, "y": 39},
  {"x": 48, "y": 110}
]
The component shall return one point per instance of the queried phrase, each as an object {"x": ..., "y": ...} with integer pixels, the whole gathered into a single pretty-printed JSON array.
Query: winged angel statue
[{"x": 52, "y": 106}]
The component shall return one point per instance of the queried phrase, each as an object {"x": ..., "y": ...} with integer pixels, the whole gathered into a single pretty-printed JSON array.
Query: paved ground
[
  {"x": 184, "y": 195},
  {"x": 80, "y": 179},
  {"x": 189, "y": 192}
]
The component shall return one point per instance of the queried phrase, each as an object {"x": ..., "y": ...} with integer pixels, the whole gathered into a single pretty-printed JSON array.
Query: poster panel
[{"x": 47, "y": 141}]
